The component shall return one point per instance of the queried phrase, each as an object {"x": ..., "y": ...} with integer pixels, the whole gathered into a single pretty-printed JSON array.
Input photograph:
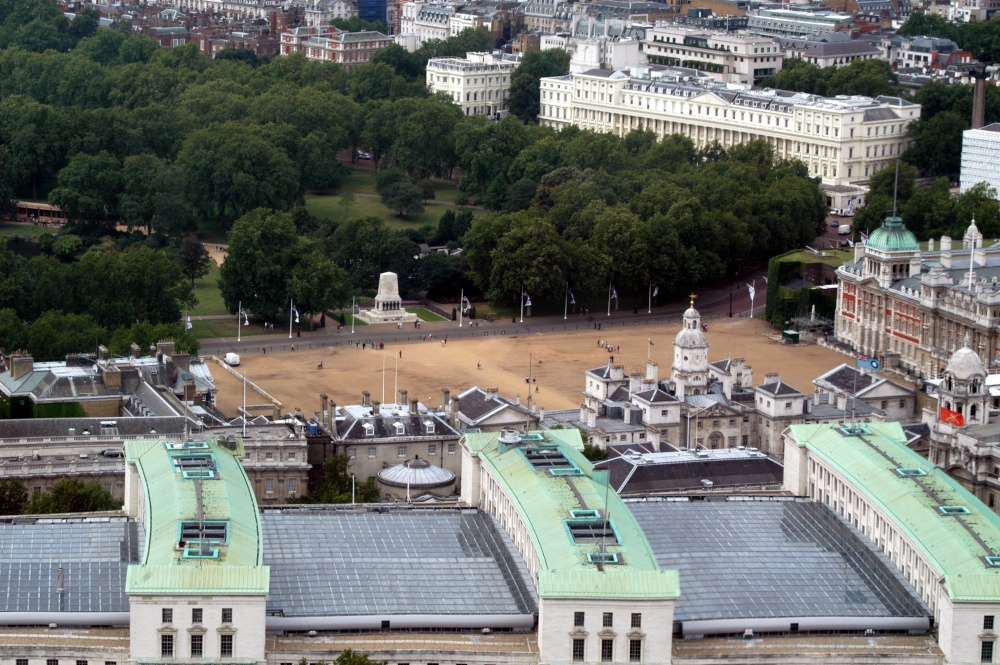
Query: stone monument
[{"x": 388, "y": 304}]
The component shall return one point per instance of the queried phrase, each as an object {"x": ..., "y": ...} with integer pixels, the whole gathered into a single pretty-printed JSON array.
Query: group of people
[
  {"x": 369, "y": 344},
  {"x": 608, "y": 346}
]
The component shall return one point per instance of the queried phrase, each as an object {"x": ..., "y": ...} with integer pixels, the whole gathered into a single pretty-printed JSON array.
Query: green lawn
[
  {"x": 207, "y": 291},
  {"x": 836, "y": 257},
  {"x": 213, "y": 328},
  {"x": 362, "y": 181},
  {"x": 425, "y": 314},
  {"x": 26, "y": 230},
  {"x": 330, "y": 207}
]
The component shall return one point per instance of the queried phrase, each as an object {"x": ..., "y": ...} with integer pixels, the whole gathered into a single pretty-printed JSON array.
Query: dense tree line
[
  {"x": 69, "y": 495},
  {"x": 169, "y": 141},
  {"x": 930, "y": 212}
]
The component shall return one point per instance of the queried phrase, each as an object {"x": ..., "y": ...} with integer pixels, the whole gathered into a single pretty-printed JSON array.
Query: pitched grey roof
[
  {"x": 778, "y": 389},
  {"x": 656, "y": 396}
]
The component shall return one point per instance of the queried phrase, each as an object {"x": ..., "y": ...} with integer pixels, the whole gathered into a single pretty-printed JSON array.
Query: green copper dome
[{"x": 893, "y": 236}]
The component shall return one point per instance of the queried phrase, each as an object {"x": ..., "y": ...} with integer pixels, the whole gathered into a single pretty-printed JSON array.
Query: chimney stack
[
  {"x": 413, "y": 407},
  {"x": 375, "y": 405},
  {"x": 20, "y": 364},
  {"x": 402, "y": 397},
  {"x": 365, "y": 398},
  {"x": 979, "y": 96}
]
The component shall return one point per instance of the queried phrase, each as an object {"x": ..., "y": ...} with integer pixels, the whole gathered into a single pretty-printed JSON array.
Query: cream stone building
[
  {"x": 726, "y": 57},
  {"x": 842, "y": 140},
  {"x": 478, "y": 83}
]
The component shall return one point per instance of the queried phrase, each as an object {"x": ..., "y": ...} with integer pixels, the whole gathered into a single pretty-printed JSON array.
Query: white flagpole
[
  {"x": 244, "y": 405},
  {"x": 291, "y": 307},
  {"x": 395, "y": 381},
  {"x": 352, "y": 315},
  {"x": 383, "y": 375},
  {"x": 461, "y": 306},
  {"x": 650, "y": 308},
  {"x": 753, "y": 292},
  {"x": 566, "y": 304},
  {"x": 239, "y": 324},
  {"x": 609, "y": 298},
  {"x": 522, "y": 303}
]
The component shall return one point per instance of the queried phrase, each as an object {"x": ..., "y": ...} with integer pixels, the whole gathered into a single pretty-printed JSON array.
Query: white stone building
[
  {"x": 981, "y": 157},
  {"x": 478, "y": 84},
  {"x": 426, "y": 20},
  {"x": 842, "y": 140},
  {"x": 321, "y": 12},
  {"x": 726, "y": 57}
]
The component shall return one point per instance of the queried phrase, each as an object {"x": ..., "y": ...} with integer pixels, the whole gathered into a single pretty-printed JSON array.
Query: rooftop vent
[
  {"x": 509, "y": 437},
  {"x": 953, "y": 510},
  {"x": 602, "y": 557},
  {"x": 584, "y": 514},
  {"x": 201, "y": 552},
  {"x": 910, "y": 472}
]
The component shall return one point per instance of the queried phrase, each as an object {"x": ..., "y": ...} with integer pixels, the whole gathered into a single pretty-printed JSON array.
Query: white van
[
  {"x": 844, "y": 229},
  {"x": 232, "y": 359}
]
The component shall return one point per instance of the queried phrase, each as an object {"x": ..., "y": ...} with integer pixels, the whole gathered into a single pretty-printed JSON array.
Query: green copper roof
[
  {"x": 893, "y": 236},
  {"x": 956, "y": 545},
  {"x": 170, "y": 499},
  {"x": 544, "y": 502}
]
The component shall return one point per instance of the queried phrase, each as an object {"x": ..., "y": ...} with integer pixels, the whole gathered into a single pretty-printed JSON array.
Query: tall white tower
[{"x": 690, "y": 369}]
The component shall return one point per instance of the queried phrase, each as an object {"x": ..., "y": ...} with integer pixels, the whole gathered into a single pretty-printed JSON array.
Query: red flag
[{"x": 952, "y": 417}]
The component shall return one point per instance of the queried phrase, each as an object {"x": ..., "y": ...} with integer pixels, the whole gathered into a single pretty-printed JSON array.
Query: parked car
[
  {"x": 232, "y": 359},
  {"x": 361, "y": 154},
  {"x": 844, "y": 229}
]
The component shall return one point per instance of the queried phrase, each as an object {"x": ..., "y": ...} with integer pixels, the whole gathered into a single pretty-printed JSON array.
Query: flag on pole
[
  {"x": 650, "y": 342},
  {"x": 296, "y": 310},
  {"x": 466, "y": 305},
  {"x": 753, "y": 291},
  {"x": 656, "y": 290},
  {"x": 868, "y": 362},
  {"x": 614, "y": 294},
  {"x": 188, "y": 325},
  {"x": 246, "y": 319},
  {"x": 527, "y": 300},
  {"x": 864, "y": 239},
  {"x": 850, "y": 242},
  {"x": 572, "y": 300},
  {"x": 950, "y": 417}
]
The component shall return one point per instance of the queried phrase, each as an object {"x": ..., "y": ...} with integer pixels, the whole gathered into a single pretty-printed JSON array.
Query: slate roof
[
  {"x": 778, "y": 389},
  {"x": 843, "y": 378},
  {"x": 57, "y": 427},
  {"x": 651, "y": 473},
  {"x": 385, "y": 428},
  {"x": 475, "y": 404},
  {"x": 656, "y": 396}
]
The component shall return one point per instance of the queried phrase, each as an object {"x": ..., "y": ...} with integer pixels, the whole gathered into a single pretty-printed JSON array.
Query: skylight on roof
[
  {"x": 992, "y": 561},
  {"x": 910, "y": 472},
  {"x": 209, "y": 531},
  {"x": 543, "y": 459},
  {"x": 953, "y": 510},
  {"x": 590, "y": 530},
  {"x": 186, "y": 445},
  {"x": 603, "y": 557},
  {"x": 201, "y": 552},
  {"x": 584, "y": 514},
  {"x": 197, "y": 465}
]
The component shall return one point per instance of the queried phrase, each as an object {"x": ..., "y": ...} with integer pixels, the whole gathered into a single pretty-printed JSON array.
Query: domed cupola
[{"x": 690, "y": 368}]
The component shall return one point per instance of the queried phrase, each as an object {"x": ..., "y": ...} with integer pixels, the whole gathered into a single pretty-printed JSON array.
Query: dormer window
[
  {"x": 400, "y": 429},
  {"x": 369, "y": 429},
  {"x": 429, "y": 426}
]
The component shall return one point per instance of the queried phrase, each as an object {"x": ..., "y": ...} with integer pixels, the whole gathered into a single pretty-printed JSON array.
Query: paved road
[{"x": 712, "y": 303}]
